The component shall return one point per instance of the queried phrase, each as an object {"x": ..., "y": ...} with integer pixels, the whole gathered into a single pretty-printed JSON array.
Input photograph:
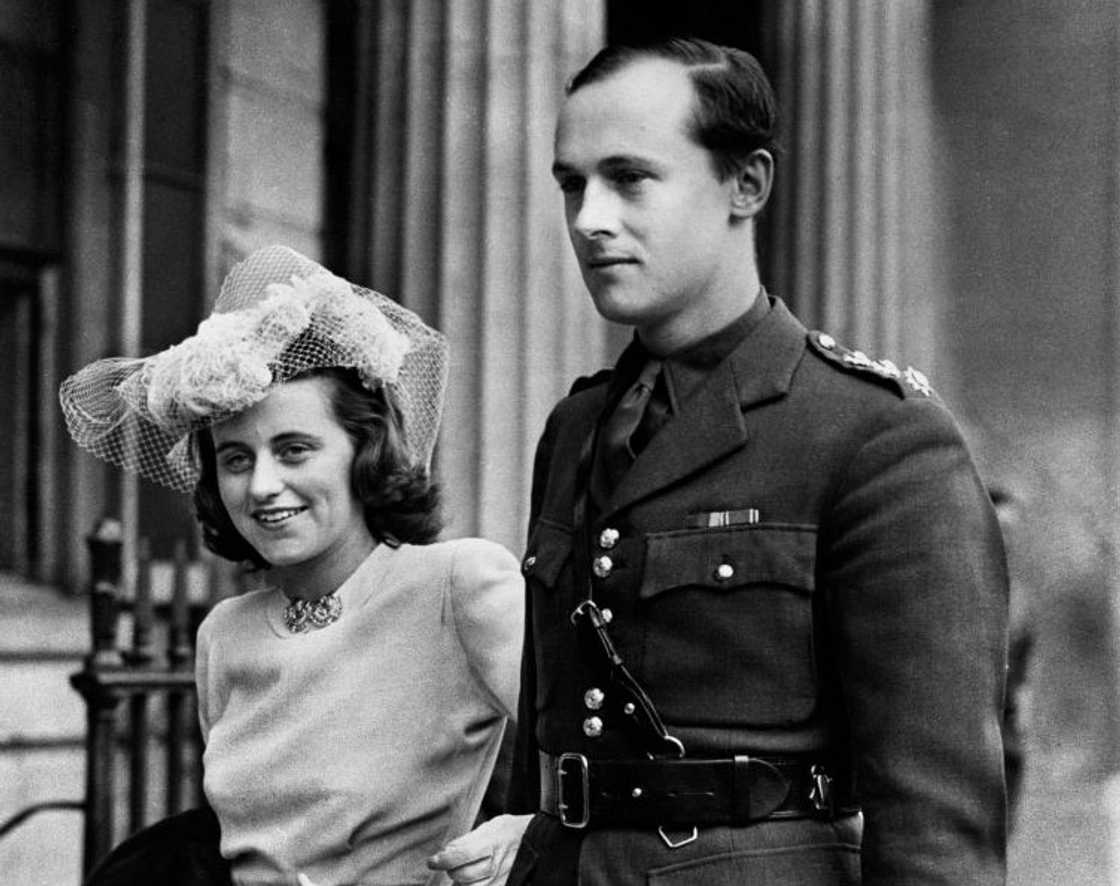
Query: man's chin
[{"x": 620, "y": 306}]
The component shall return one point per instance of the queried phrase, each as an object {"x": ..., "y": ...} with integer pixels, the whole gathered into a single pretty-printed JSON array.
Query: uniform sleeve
[
  {"x": 488, "y": 598},
  {"x": 524, "y": 786},
  {"x": 524, "y": 789},
  {"x": 916, "y": 584}
]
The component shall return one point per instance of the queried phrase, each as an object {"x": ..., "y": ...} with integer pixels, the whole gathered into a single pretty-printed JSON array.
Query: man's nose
[
  {"x": 596, "y": 215},
  {"x": 265, "y": 481}
]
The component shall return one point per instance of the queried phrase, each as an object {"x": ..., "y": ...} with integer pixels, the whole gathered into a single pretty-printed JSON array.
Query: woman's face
[{"x": 283, "y": 470}]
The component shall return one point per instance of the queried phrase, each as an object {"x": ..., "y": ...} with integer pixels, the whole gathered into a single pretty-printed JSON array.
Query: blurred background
[{"x": 948, "y": 197}]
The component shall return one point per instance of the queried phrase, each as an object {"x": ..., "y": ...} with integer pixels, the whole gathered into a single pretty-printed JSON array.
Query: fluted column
[
  {"x": 852, "y": 239},
  {"x": 461, "y": 221}
]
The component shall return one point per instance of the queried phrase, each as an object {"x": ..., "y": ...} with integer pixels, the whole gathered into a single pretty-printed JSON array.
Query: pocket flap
[
  {"x": 730, "y": 557},
  {"x": 549, "y": 546}
]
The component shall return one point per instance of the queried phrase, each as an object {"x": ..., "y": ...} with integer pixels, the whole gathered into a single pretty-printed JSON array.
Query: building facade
[{"x": 947, "y": 197}]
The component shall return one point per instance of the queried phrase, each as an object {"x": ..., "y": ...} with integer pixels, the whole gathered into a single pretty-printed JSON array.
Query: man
[{"x": 767, "y": 591}]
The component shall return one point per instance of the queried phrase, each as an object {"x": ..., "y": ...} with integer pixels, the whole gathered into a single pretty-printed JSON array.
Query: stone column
[
  {"x": 851, "y": 237},
  {"x": 459, "y": 219}
]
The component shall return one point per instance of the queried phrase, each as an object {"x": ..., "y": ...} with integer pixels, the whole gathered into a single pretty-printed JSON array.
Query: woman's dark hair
[
  {"x": 736, "y": 112},
  {"x": 401, "y": 503}
]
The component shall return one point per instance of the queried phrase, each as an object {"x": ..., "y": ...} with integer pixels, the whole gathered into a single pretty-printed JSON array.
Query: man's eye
[
  {"x": 628, "y": 178},
  {"x": 571, "y": 185}
]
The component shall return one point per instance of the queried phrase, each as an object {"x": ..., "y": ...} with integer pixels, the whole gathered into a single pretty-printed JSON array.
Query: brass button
[
  {"x": 602, "y": 566},
  {"x": 529, "y": 563},
  {"x": 827, "y": 341},
  {"x": 594, "y": 698},
  {"x": 608, "y": 616},
  {"x": 724, "y": 571},
  {"x": 592, "y": 727},
  {"x": 636, "y": 793},
  {"x": 628, "y": 708},
  {"x": 608, "y": 538}
]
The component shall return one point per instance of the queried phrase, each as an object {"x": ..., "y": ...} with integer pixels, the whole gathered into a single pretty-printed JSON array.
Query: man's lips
[{"x": 609, "y": 261}]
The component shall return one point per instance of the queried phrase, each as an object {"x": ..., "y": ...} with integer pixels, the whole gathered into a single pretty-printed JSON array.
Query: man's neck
[{"x": 687, "y": 329}]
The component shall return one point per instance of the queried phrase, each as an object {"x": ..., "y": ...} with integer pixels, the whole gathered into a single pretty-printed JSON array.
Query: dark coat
[
  {"x": 182, "y": 850},
  {"x": 863, "y": 616}
]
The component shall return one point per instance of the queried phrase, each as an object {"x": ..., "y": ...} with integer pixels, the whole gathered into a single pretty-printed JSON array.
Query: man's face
[{"x": 647, "y": 216}]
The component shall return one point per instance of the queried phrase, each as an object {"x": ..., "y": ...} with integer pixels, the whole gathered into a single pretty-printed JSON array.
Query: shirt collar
[{"x": 686, "y": 368}]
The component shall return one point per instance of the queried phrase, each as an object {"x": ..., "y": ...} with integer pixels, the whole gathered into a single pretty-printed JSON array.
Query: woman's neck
[{"x": 326, "y": 572}]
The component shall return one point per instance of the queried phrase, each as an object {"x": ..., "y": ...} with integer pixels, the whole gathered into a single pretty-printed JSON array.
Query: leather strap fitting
[{"x": 684, "y": 792}]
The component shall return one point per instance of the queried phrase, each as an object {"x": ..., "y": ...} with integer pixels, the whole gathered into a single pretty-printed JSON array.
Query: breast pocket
[{"x": 730, "y": 623}]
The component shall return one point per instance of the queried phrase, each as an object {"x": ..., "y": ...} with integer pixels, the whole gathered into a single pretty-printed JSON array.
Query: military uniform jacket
[{"x": 803, "y": 560}]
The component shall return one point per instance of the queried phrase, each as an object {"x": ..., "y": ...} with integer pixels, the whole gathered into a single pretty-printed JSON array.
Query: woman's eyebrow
[
  {"x": 228, "y": 444},
  {"x": 294, "y": 436},
  {"x": 275, "y": 440}
]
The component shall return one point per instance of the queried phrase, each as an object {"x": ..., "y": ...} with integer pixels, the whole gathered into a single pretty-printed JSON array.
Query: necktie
[{"x": 616, "y": 449}]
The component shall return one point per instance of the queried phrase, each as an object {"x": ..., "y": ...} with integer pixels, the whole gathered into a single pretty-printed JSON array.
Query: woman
[{"x": 353, "y": 708}]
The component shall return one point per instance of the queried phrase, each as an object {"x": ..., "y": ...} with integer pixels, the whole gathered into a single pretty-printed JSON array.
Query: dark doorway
[
  {"x": 174, "y": 215},
  {"x": 21, "y": 393},
  {"x": 729, "y": 22}
]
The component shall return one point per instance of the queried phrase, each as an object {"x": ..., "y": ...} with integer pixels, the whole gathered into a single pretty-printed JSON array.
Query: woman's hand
[{"x": 485, "y": 855}]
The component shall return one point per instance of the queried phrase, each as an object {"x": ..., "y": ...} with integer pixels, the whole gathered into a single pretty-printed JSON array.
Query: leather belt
[{"x": 684, "y": 792}]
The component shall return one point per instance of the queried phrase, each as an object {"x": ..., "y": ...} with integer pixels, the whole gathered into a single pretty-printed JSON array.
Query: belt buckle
[
  {"x": 562, "y": 805},
  {"x": 673, "y": 843},
  {"x": 820, "y": 789}
]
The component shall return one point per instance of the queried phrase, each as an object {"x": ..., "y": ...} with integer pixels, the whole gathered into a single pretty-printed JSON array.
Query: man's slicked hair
[{"x": 736, "y": 112}]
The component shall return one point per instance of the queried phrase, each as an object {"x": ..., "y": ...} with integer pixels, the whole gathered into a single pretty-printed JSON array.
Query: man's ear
[{"x": 751, "y": 184}]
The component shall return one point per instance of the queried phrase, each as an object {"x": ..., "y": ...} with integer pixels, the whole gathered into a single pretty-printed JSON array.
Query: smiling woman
[
  {"x": 352, "y": 709},
  {"x": 299, "y": 431},
  {"x": 283, "y": 472}
]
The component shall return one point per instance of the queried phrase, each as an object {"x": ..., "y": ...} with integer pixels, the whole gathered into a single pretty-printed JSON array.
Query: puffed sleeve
[
  {"x": 488, "y": 597},
  {"x": 202, "y": 676},
  {"x": 916, "y": 583}
]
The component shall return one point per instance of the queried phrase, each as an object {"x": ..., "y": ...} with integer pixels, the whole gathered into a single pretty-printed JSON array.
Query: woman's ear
[{"x": 751, "y": 184}]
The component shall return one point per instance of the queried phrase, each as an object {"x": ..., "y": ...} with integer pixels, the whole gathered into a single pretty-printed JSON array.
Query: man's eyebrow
[
  {"x": 620, "y": 160},
  {"x": 607, "y": 164}
]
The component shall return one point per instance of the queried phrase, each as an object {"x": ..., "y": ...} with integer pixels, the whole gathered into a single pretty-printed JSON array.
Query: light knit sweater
[{"x": 353, "y": 752}]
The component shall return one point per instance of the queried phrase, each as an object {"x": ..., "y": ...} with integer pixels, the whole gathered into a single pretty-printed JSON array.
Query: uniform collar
[
  {"x": 686, "y": 368},
  {"x": 711, "y": 422}
]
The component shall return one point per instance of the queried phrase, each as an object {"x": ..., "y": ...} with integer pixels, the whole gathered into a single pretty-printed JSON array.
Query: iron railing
[{"x": 140, "y": 697}]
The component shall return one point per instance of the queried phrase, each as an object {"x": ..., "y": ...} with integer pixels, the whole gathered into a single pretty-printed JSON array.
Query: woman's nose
[{"x": 265, "y": 481}]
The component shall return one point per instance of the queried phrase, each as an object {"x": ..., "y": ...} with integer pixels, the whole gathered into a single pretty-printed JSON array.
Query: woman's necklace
[{"x": 301, "y": 616}]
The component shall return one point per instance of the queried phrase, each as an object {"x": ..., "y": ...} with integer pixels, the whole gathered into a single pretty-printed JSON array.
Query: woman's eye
[
  {"x": 294, "y": 452},
  {"x": 235, "y": 463}
]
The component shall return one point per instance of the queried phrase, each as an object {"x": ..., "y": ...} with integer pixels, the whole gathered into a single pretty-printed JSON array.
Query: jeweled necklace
[{"x": 301, "y": 616}]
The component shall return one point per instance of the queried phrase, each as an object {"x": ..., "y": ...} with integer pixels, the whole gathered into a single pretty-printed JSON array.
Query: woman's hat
[{"x": 278, "y": 314}]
